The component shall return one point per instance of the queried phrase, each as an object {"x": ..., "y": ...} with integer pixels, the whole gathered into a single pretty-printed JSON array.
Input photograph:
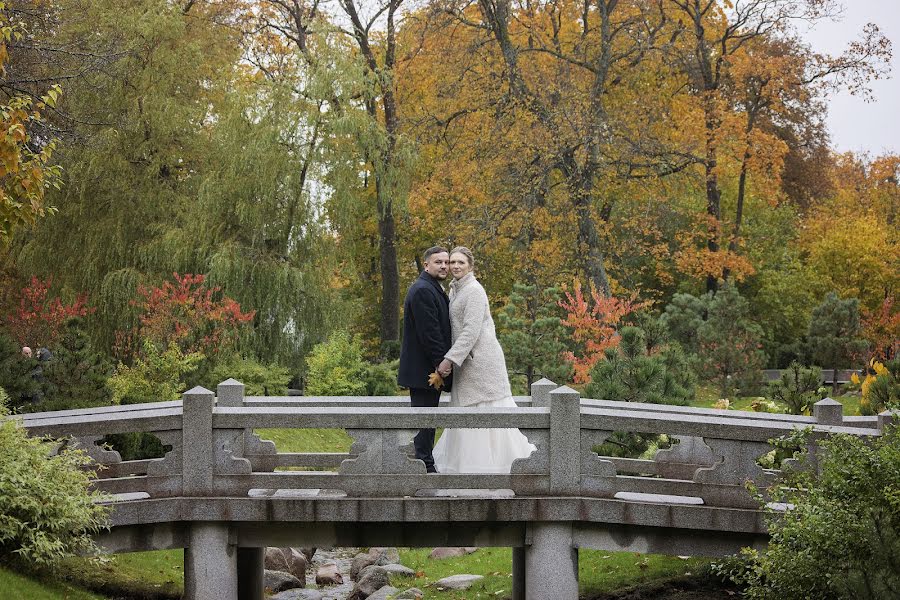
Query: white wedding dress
[
  {"x": 479, "y": 374},
  {"x": 481, "y": 450}
]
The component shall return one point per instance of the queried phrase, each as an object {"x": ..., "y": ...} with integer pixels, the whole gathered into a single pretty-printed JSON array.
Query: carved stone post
[
  {"x": 250, "y": 560},
  {"x": 828, "y": 412},
  {"x": 197, "y": 442},
  {"x": 565, "y": 441},
  {"x": 540, "y": 393}
]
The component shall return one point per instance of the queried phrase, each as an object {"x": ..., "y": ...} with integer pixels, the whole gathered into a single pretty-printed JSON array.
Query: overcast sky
[{"x": 872, "y": 127}]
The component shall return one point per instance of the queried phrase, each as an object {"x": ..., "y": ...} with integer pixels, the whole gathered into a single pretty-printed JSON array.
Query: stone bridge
[{"x": 223, "y": 494}]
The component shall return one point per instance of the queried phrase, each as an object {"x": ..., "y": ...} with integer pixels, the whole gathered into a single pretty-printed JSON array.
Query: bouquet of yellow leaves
[{"x": 435, "y": 380}]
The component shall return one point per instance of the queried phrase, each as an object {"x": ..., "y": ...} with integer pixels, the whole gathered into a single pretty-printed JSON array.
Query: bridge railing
[{"x": 213, "y": 450}]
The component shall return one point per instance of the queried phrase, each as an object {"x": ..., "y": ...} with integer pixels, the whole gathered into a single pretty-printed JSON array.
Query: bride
[{"x": 479, "y": 379}]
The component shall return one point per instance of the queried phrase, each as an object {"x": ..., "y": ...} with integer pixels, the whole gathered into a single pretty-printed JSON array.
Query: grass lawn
[
  {"x": 708, "y": 395},
  {"x": 598, "y": 571},
  {"x": 14, "y": 586}
]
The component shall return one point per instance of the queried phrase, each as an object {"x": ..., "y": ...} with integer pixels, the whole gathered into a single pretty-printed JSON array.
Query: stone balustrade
[{"x": 220, "y": 484}]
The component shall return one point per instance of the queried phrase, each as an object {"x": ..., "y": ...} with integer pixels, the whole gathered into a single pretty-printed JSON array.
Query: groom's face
[{"x": 438, "y": 265}]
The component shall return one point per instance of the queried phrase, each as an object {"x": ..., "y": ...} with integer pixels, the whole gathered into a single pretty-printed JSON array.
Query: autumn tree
[
  {"x": 739, "y": 62},
  {"x": 27, "y": 170},
  {"x": 567, "y": 73},
  {"x": 594, "y": 320}
]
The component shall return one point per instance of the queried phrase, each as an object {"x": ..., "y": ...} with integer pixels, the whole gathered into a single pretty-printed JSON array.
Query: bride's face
[{"x": 459, "y": 265}]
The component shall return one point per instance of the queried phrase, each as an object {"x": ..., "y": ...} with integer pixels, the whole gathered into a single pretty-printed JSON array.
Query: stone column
[
  {"x": 251, "y": 573},
  {"x": 197, "y": 442},
  {"x": 250, "y": 561},
  {"x": 210, "y": 563},
  {"x": 828, "y": 412},
  {"x": 551, "y": 563},
  {"x": 540, "y": 393},
  {"x": 565, "y": 442},
  {"x": 518, "y": 573}
]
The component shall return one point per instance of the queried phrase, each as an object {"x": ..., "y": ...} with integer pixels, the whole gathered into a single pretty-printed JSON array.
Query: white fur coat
[{"x": 479, "y": 372}]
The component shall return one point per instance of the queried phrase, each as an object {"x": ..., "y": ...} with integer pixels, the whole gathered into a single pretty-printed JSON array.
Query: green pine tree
[
  {"x": 533, "y": 337},
  {"x": 637, "y": 372},
  {"x": 76, "y": 375},
  {"x": 833, "y": 339}
]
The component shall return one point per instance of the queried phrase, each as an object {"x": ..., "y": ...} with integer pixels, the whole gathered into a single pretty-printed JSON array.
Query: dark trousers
[{"x": 424, "y": 440}]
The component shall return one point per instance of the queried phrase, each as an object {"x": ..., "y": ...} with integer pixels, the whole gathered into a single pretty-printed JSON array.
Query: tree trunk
[{"x": 713, "y": 194}]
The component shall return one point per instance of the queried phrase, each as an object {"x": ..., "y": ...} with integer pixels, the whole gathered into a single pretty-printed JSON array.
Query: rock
[
  {"x": 385, "y": 556},
  {"x": 410, "y": 594},
  {"x": 457, "y": 582},
  {"x": 298, "y": 594},
  {"x": 397, "y": 569},
  {"x": 278, "y": 581},
  {"x": 360, "y": 562},
  {"x": 384, "y": 593},
  {"x": 439, "y": 553},
  {"x": 329, "y": 575},
  {"x": 375, "y": 556},
  {"x": 287, "y": 560},
  {"x": 371, "y": 579},
  {"x": 308, "y": 553}
]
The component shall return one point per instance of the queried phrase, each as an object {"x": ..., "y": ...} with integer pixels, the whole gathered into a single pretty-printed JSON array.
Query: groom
[{"x": 426, "y": 339}]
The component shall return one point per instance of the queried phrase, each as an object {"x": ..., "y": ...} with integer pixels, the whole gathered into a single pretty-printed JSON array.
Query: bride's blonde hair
[{"x": 465, "y": 252}]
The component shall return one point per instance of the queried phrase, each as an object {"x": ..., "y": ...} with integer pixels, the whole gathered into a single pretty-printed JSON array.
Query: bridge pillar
[
  {"x": 551, "y": 562},
  {"x": 251, "y": 573},
  {"x": 518, "y": 573},
  {"x": 210, "y": 563}
]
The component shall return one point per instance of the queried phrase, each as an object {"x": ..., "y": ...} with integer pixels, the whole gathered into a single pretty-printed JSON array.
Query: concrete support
[
  {"x": 551, "y": 563},
  {"x": 518, "y": 573},
  {"x": 250, "y": 573},
  {"x": 210, "y": 564}
]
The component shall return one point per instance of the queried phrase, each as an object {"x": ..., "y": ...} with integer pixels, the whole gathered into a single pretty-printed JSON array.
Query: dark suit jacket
[{"x": 426, "y": 332}]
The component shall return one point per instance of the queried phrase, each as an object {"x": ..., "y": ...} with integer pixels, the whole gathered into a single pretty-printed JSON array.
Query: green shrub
[
  {"x": 336, "y": 367},
  {"x": 154, "y": 377},
  {"x": 797, "y": 389},
  {"x": 834, "y": 337},
  {"x": 258, "y": 379},
  {"x": 381, "y": 379},
  {"x": 841, "y": 538},
  {"x": 46, "y": 510},
  {"x": 730, "y": 344}
]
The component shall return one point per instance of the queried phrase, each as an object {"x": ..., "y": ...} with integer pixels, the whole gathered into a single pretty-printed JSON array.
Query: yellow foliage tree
[{"x": 26, "y": 171}]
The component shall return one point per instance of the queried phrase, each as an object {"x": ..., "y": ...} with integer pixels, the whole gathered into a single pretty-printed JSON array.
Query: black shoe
[{"x": 430, "y": 470}]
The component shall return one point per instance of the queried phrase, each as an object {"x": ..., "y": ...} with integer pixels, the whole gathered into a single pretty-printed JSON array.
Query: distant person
[{"x": 26, "y": 352}]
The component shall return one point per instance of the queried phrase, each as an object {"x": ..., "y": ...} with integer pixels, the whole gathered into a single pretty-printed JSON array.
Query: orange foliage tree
[{"x": 594, "y": 322}]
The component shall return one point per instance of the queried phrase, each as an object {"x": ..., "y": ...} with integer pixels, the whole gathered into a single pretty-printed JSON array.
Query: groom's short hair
[{"x": 431, "y": 251}]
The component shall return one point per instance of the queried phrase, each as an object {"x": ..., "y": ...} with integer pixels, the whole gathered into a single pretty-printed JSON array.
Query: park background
[{"x": 199, "y": 190}]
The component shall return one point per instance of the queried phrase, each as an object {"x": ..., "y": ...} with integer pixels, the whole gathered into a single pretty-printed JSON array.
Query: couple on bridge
[{"x": 449, "y": 344}]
